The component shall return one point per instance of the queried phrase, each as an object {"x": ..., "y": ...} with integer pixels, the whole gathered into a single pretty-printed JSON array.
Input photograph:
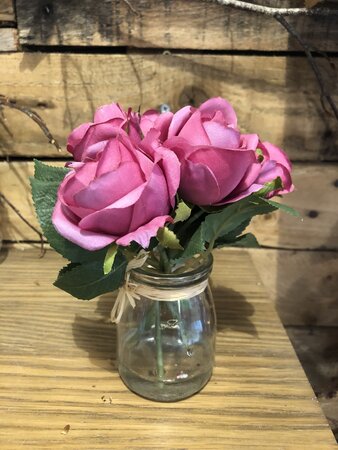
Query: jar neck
[{"x": 197, "y": 271}]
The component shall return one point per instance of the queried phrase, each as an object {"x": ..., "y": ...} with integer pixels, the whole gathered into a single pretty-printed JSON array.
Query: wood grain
[
  {"x": 163, "y": 23},
  {"x": 8, "y": 40},
  {"x": 316, "y": 348},
  {"x": 303, "y": 285},
  {"x": 316, "y": 191},
  {"x": 276, "y": 97},
  {"x": 316, "y": 199},
  {"x": 58, "y": 368},
  {"x": 7, "y": 11}
]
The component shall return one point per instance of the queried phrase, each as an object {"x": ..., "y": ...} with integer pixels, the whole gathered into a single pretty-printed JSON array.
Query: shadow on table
[
  {"x": 233, "y": 311},
  {"x": 97, "y": 335}
]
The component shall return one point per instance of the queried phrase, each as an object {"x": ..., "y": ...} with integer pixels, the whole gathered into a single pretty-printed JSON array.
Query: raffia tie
[{"x": 131, "y": 292}]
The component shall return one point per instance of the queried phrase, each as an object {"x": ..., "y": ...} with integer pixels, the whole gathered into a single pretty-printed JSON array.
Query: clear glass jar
[{"x": 166, "y": 347}]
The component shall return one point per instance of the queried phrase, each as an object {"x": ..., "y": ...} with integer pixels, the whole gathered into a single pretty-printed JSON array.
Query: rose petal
[
  {"x": 95, "y": 140},
  {"x": 270, "y": 171},
  {"x": 278, "y": 155},
  {"x": 193, "y": 131},
  {"x": 171, "y": 168},
  {"x": 234, "y": 198},
  {"x": 153, "y": 202},
  {"x": 198, "y": 184},
  {"x": 115, "y": 152},
  {"x": 76, "y": 135},
  {"x": 148, "y": 119},
  {"x": 108, "y": 112},
  {"x": 144, "y": 233},
  {"x": 222, "y": 136},
  {"x": 179, "y": 119},
  {"x": 249, "y": 141},
  {"x": 70, "y": 230},
  {"x": 110, "y": 187},
  {"x": 248, "y": 179},
  {"x": 211, "y": 106},
  {"x": 180, "y": 146},
  {"x": 75, "y": 181},
  {"x": 112, "y": 221},
  {"x": 162, "y": 124},
  {"x": 228, "y": 166}
]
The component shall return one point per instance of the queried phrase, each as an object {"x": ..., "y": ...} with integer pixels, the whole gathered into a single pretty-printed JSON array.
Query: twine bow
[
  {"x": 127, "y": 292},
  {"x": 130, "y": 292}
]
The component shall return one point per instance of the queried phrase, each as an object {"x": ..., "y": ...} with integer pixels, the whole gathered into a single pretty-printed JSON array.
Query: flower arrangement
[{"x": 155, "y": 187}]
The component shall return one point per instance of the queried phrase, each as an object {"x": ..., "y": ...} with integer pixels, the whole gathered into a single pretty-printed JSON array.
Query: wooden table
[{"x": 59, "y": 386}]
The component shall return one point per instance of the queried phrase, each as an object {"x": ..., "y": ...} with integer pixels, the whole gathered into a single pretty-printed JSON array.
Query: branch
[
  {"x": 130, "y": 6},
  {"x": 324, "y": 94},
  {"x": 5, "y": 101},
  {"x": 17, "y": 212},
  {"x": 269, "y": 11},
  {"x": 278, "y": 13}
]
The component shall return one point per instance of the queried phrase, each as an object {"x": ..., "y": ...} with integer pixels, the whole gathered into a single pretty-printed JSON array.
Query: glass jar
[{"x": 166, "y": 343}]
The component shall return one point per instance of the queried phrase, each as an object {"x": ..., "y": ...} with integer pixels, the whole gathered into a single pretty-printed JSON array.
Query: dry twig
[
  {"x": 5, "y": 101},
  {"x": 278, "y": 14},
  {"x": 270, "y": 11},
  {"x": 18, "y": 213},
  {"x": 324, "y": 94},
  {"x": 130, "y": 6}
]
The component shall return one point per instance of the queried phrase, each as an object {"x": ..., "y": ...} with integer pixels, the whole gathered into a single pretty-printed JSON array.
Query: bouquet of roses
[{"x": 156, "y": 188}]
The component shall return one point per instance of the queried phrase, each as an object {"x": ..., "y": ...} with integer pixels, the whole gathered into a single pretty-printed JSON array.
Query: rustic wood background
[{"x": 62, "y": 59}]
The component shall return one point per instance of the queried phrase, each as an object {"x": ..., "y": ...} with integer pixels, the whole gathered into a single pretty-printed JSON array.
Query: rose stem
[
  {"x": 190, "y": 221},
  {"x": 165, "y": 266},
  {"x": 159, "y": 352},
  {"x": 164, "y": 260}
]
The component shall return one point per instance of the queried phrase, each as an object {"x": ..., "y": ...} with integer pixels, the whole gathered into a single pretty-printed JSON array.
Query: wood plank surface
[
  {"x": 303, "y": 285},
  {"x": 57, "y": 368},
  {"x": 317, "y": 349},
  {"x": 163, "y": 23},
  {"x": 7, "y": 11},
  {"x": 8, "y": 40},
  {"x": 316, "y": 195},
  {"x": 276, "y": 97}
]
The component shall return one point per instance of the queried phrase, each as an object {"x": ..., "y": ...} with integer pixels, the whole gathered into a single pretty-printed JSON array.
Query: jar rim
[{"x": 193, "y": 276}]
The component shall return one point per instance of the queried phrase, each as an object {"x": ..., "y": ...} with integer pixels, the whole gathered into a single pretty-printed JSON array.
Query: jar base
[{"x": 163, "y": 391}]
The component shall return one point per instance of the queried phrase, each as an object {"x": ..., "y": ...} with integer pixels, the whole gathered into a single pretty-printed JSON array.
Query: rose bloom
[
  {"x": 87, "y": 140},
  {"x": 220, "y": 165},
  {"x": 124, "y": 193}
]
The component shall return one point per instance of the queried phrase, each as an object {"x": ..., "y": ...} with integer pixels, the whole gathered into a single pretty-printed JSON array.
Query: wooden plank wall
[
  {"x": 63, "y": 59},
  {"x": 8, "y": 30}
]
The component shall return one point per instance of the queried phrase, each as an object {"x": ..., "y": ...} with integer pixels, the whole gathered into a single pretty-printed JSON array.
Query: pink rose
[
  {"x": 85, "y": 141},
  {"x": 153, "y": 119},
  {"x": 275, "y": 164},
  {"x": 214, "y": 156},
  {"x": 208, "y": 124},
  {"x": 272, "y": 163},
  {"x": 125, "y": 194},
  {"x": 218, "y": 164}
]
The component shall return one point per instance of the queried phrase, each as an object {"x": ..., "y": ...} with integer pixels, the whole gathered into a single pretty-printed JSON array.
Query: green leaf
[
  {"x": 260, "y": 155},
  {"x": 270, "y": 186},
  {"x": 194, "y": 246},
  {"x": 44, "y": 172},
  {"x": 109, "y": 258},
  {"x": 86, "y": 281},
  {"x": 168, "y": 239},
  {"x": 182, "y": 212},
  {"x": 283, "y": 207},
  {"x": 44, "y": 191},
  {"x": 246, "y": 240},
  {"x": 233, "y": 216},
  {"x": 233, "y": 235}
]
